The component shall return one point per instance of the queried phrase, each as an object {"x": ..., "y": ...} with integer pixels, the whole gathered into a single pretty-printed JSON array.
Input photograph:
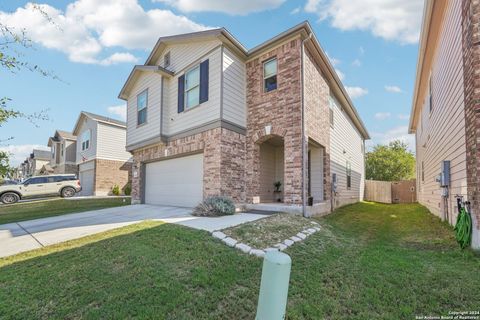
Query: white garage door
[
  {"x": 175, "y": 182},
  {"x": 86, "y": 180}
]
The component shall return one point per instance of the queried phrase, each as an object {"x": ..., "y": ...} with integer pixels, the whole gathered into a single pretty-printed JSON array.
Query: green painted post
[{"x": 272, "y": 300}]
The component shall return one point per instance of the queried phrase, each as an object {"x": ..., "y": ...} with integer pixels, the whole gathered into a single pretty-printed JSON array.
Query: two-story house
[
  {"x": 63, "y": 146},
  {"x": 100, "y": 154},
  {"x": 445, "y": 115},
  {"x": 206, "y": 116},
  {"x": 36, "y": 161}
]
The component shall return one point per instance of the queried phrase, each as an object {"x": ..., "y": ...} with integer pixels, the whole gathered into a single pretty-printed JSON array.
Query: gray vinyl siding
[
  {"x": 196, "y": 116},
  {"x": 111, "y": 142},
  {"x": 152, "y": 82},
  {"x": 234, "y": 86},
  {"x": 440, "y": 134},
  {"x": 90, "y": 153},
  {"x": 344, "y": 136},
  {"x": 182, "y": 58}
]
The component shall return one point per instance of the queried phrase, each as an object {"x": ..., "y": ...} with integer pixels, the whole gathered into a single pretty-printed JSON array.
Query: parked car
[{"x": 64, "y": 185}]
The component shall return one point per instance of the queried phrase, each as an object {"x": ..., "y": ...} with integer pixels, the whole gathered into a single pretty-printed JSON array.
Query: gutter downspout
[{"x": 304, "y": 172}]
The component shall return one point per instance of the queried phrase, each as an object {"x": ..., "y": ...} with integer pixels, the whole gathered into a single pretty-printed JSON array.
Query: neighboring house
[
  {"x": 100, "y": 154},
  {"x": 63, "y": 152},
  {"x": 446, "y": 109},
  {"x": 36, "y": 160},
  {"x": 205, "y": 116}
]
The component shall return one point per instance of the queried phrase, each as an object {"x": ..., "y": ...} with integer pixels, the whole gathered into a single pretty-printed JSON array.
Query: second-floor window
[
  {"x": 332, "y": 114},
  {"x": 86, "y": 140},
  {"x": 63, "y": 149},
  {"x": 142, "y": 103},
  {"x": 166, "y": 60},
  {"x": 192, "y": 87},
  {"x": 270, "y": 75}
]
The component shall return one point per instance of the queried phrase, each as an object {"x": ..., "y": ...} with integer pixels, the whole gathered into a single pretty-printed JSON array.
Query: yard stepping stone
[
  {"x": 316, "y": 228},
  {"x": 219, "y": 235},
  {"x": 243, "y": 247},
  {"x": 281, "y": 246},
  {"x": 301, "y": 235},
  {"x": 258, "y": 253},
  {"x": 312, "y": 230},
  {"x": 313, "y": 222},
  {"x": 288, "y": 242},
  {"x": 270, "y": 249},
  {"x": 295, "y": 239},
  {"x": 229, "y": 241}
]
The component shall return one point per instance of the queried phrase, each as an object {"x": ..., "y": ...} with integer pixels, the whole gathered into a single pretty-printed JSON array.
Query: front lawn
[
  {"x": 54, "y": 207},
  {"x": 369, "y": 261}
]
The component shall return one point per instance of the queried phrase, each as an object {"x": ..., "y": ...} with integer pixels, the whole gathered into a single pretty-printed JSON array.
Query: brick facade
[
  {"x": 66, "y": 168},
  {"x": 109, "y": 173},
  {"x": 471, "y": 64},
  {"x": 276, "y": 113},
  {"x": 317, "y": 121},
  {"x": 223, "y": 162}
]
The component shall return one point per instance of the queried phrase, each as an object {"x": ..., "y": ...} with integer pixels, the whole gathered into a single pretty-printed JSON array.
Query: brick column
[{"x": 471, "y": 65}]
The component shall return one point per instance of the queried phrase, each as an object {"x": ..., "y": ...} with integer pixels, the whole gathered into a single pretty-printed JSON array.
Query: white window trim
[
  {"x": 185, "y": 90},
  {"x": 146, "y": 107},
  {"x": 272, "y": 75},
  {"x": 85, "y": 140}
]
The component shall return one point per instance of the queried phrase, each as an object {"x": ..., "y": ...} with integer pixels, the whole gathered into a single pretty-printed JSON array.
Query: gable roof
[
  {"x": 303, "y": 29},
  {"x": 98, "y": 118},
  {"x": 61, "y": 134}
]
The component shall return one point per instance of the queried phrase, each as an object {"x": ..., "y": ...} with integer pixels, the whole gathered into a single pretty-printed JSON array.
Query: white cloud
[
  {"x": 233, "y": 7},
  {"x": 393, "y": 89},
  {"x": 340, "y": 74},
  {"x": 398, "y": 20},
  {"x": 119, "y": 111},
  {"x": 356, "y": 92},
  {"x": 20, "y": 152},
  {"x": 382, "y": 115},
  {"x": 396, "y": 133},
  {"x": 357, "y": 63},
  {"x": 403, "y": 116},
  {"x": 87, "y": 27},
  {"x": 295, "y": 11}
]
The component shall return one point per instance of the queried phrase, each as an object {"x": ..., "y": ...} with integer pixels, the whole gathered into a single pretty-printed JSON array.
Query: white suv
[{"x": 65, "y": 185}]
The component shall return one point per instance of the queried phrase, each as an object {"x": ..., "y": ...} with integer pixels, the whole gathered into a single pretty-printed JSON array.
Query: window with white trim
[
  {"x": 192, "y": 87},
  {"x": 270, "y": 75},
  {"x": 142, "y": 104},
  {"x": 86, "y": 140}
]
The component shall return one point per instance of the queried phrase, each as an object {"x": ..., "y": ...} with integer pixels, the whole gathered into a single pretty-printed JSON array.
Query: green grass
[
  {"x": 267, "y": 232},
  {"x": 369, "y": 261},
  {"x": 54, "y": 207}
]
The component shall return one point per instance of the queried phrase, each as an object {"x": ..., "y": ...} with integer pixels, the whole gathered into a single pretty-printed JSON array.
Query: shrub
[
  {"x": 116, "y": 190},
  {"x": 214, "y": 207},
  {"x": 127, "y": 190}
]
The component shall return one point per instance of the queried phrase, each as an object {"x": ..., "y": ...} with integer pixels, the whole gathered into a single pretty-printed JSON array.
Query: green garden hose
[{"x": 463, "y": 227}]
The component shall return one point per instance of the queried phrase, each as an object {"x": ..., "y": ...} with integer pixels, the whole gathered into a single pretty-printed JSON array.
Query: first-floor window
[
  {"x": 349, "y": 174},
  {"x": 142, "y": 103}
]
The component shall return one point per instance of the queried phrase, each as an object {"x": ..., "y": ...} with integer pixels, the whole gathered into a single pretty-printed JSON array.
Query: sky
[{"x": 90, "y": 47}]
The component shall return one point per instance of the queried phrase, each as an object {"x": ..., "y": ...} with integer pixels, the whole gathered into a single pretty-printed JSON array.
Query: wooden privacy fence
[{"x": 391, "y": 191}]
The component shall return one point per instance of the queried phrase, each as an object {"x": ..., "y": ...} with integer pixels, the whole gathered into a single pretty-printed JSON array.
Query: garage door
[
  {"x": 86, "y": 180},
  {"x": 175, "y": 182}
]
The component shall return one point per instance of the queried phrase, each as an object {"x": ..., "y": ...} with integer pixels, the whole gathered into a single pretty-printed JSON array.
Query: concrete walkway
[{"x": 33, "y": 234}]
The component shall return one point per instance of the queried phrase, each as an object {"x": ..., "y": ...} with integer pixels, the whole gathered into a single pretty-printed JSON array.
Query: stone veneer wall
[
  {"x": 223, "y": 166},
  {"x": 275, "y": 113},
  {"x": 66, "y": 168},
  {"x": 317, "y": 117},
  {"x": 109, "y": 173},
  {"x": 471, "y": 65}
]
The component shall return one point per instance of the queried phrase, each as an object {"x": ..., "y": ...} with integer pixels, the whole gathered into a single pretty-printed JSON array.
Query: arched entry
[{"x": 272, "y": 167}]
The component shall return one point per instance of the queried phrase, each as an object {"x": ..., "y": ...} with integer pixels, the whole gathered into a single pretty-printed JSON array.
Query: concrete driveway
[{"x": 33, "y": 234}]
